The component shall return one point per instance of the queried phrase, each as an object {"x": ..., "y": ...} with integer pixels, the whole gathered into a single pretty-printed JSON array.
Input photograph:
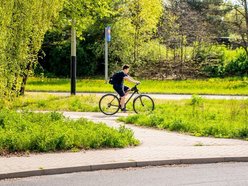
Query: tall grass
[
  {"x": 199, "y": 117},
  {"x": 43, "y": 132}
]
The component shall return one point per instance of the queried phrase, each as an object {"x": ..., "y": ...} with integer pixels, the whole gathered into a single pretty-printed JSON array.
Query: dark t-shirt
[{"x": 118, "y": 78}]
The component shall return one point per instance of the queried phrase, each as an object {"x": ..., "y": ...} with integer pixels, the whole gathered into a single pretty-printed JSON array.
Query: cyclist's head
[{"x": 125, "y": 68}]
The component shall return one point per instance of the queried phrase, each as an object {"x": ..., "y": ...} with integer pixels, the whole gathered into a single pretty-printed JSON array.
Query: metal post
[
  {"x": 73, "y": 59},
  {"x": 106, "y": 56}
]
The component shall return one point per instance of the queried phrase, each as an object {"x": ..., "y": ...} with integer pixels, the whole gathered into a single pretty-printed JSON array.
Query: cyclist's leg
[
  {"x": 126, "y": 90},
  {"x": 120, "y": 91},
  {"x": 123, "y": 98},
  {"x": 122, "y": 102}
]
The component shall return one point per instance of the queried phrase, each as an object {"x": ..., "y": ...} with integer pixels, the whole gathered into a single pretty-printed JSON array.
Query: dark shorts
[{"x": 121, "y": 90}]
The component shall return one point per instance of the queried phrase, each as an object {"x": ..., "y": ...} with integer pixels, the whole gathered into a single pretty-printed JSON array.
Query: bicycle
[{"x": 109, "y": 104}]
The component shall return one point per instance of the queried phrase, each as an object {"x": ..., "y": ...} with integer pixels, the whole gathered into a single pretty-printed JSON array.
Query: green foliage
[
  {"x": 218, "y": 118},
  {"x": 218, "y": 61},
  {"x": 86, "y": 13},
  {"x": 55, "y": 59},
  {"x": 133, "y": 30},
  {"x": 90, "y": 18},
  {"x": 24, "y": 24},
  {"x": 196, "y": 100},
  {"x": 237, "y": 20},
  {"x": 211, "y": 59},
  {"x": 177, "y": 45},
  {"x": 238, "y": 66},
  {"x": 37, "y": 132}
]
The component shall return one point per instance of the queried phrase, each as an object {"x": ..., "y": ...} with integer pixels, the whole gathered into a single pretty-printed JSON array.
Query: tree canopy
[{"x": 23, "y": 26}]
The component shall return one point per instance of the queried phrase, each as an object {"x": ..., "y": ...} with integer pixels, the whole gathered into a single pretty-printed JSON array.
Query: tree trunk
[
  {"x": 246, "y": 20},
  {"x": 24, "y": 79}
]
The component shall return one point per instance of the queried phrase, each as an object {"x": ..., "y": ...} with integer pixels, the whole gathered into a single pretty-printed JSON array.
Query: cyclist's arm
[{"x": 130, "y": 79}]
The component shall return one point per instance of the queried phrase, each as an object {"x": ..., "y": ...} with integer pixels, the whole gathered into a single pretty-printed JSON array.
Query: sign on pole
[{"x": 108, "y": 34}]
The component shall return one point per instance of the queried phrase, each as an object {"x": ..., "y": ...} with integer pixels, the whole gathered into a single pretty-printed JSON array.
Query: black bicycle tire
[
  {"x": 103, "y": 98},
  {"x": 143, "y": 95}
]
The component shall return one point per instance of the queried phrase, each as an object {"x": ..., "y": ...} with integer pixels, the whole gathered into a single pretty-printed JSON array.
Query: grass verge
[
  {"x": 198, "y": 117},
  {"x": 46, "y": 102},
  {"x": 228, "y": 86},
  {"x": 44, "y": 132}
]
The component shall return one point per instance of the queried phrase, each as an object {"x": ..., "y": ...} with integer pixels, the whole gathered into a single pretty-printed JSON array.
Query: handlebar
[{"x": 135, "y": 87}]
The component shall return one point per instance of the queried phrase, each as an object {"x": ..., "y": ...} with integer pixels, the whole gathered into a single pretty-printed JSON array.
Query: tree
[
  {"x": 133, "y": 30},
  {"x": 6, "y": 8},
  {"x": 90, "y": 17},
  {"x": 213, "y": 13},
  {"x": 86, "y": 13},
  {"x": 188, "y": 29},
  {"x": 238, "y": 20},
  {"x": 24, "y": 26},
  {"x": 117, "y": 14}
]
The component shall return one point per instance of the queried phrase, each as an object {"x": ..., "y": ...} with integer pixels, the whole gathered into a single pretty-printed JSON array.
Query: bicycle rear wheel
[
  {"x": 143, "y": 104},
  {"x": 109, "y": 104}
]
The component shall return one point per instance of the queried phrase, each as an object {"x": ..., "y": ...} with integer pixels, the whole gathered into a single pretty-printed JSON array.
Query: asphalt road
[{"x": 204, "y": 175}]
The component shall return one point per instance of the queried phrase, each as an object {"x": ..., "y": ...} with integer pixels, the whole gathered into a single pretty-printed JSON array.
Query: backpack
[{"x": 112, "y": 79}]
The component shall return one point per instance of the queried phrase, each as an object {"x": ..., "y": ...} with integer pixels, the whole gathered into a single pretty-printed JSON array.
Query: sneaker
[{"x": 124, "y": 110}]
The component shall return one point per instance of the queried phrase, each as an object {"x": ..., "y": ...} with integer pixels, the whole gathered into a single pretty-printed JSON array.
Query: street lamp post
[{"x": 73, "y": 59}]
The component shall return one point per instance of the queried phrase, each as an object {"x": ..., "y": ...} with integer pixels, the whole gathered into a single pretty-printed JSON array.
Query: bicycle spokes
[
  {"x": 143, "y": 104},
  {"x": 141, "y": 101},
  {"x": 109, "y": 104}
]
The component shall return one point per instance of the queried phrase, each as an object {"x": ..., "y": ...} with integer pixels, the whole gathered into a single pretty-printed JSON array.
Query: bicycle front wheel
[
  {"x": 109, "y": 104},
  {"x": 143, "y": 104}
]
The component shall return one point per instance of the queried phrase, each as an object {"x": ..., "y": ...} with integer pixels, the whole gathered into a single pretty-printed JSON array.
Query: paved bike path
[{"x": 157, "y": 148}]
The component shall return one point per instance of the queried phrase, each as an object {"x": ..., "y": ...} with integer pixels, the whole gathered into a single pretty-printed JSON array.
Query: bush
[
  {"x": 43, "y": 132},
  {"x": 238, "y": 66},
  {"x": 55, "y": 58},
  {"x": 211, "y": 59}
]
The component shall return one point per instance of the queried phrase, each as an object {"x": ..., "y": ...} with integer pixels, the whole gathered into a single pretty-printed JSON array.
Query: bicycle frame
[{"x": 136, "y": 91}]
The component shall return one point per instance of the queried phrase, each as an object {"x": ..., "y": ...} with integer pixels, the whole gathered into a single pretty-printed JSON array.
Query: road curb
[{"x": 120, "y": 165}]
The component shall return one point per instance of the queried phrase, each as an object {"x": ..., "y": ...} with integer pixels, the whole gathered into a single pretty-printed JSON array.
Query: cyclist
[{"x": 118, "y": 84}]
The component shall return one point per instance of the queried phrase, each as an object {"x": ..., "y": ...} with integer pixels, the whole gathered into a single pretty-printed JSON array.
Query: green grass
[
  {"x": 44, "y": 132},
  {"x": 199, "y": 117},
  {"x": 229, "y": 86},
  {"x": 46, "y": 102}
]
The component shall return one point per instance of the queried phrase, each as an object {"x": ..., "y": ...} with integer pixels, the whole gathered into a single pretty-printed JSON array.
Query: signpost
[{"x": 107, "y": 39}]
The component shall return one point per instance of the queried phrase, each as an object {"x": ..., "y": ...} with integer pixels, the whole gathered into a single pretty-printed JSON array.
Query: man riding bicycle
[{"x": 118, "y": 84}]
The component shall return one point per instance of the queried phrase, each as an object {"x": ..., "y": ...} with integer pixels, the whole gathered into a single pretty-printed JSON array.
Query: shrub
[
  {"x": 43, "y": 132},
  {"x": 211, "y": 59},
  {"x": 56, "y": 53},
  {"x": 238, "y": 66}
]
